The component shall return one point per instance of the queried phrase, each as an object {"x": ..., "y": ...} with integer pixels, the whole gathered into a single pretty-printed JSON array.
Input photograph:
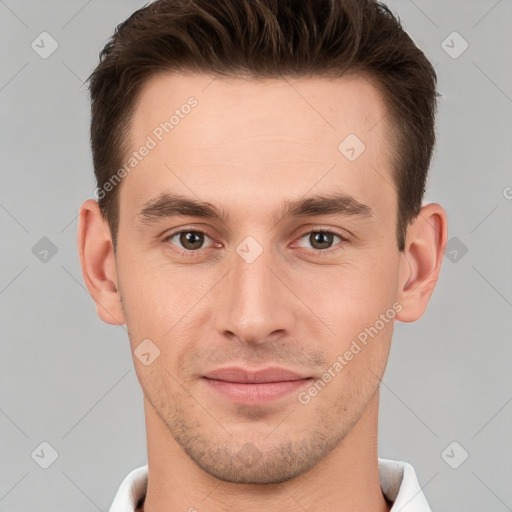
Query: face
[{"x": 262, "y": 273}]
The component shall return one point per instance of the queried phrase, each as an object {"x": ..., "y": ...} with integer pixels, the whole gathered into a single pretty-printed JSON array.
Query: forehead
[{"x": 234, "y": 139}]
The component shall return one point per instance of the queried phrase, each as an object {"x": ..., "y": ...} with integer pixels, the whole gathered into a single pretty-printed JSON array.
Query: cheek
[
  {"x": 163, "y": 304},
  {"x": 147, "y": 283},
  {"x": 351, "y": 295},
  {"x": 357, "y": 300},
  {"x": 156, "y": 305},
  {"x": 143, "y": 295}
]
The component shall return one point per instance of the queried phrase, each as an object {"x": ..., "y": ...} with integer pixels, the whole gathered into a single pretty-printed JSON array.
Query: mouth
[{"x": 244, "y": 386}]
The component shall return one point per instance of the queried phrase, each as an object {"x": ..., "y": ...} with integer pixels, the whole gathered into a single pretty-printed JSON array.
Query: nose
[{"x": 254, "y": 303}]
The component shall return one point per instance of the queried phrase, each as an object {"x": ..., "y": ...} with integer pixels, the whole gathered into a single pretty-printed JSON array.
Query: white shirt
[{"x": 397, "y": 480}]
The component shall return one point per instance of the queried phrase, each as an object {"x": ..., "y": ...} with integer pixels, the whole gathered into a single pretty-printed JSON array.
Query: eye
[
  {"x": 189, "y": 240},
  {"x": 322, "y": 241}
]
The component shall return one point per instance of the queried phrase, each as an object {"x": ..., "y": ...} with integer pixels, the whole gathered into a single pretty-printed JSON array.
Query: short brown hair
[{"x": 268, "y": 39}]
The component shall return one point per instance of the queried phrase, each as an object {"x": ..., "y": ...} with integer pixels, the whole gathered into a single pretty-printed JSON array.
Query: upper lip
[{"x": 246, "y": 376}]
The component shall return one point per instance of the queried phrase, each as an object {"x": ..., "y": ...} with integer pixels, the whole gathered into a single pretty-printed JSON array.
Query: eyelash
[
  {"x": 316, "y": 252},
  {"x": 324, "y": 252}
]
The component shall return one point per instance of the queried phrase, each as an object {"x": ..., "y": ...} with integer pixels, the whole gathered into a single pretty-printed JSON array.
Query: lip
[
  {"x": 246, "y": 376},
  {"x": 246, "y": 386}
]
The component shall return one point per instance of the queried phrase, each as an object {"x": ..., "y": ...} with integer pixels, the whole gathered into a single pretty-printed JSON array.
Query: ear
[
  {"x": 420, "y": 263},
  {"x": 98, "y": 263}
]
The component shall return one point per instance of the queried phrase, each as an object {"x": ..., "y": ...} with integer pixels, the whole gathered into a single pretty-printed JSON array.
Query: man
[{"x": 261, "y": 166}]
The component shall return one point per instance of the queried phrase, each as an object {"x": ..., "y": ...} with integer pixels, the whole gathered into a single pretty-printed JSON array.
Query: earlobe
[
  {"x": 98, "y": 263},
  {"x": 421, "y": 261}
]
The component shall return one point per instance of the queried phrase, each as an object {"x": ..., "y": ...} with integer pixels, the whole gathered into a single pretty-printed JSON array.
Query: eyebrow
[{"x": 170, "y": 205}]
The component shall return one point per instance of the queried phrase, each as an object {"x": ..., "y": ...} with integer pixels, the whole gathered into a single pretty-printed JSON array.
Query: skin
[{"x": 246, "y": 148}]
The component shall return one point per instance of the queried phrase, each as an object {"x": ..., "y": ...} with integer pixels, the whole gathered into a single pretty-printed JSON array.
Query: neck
[{"x": 347, "y": 479}]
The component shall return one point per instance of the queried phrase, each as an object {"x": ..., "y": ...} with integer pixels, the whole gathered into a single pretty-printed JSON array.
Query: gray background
[{"x": 68, "y": 379}]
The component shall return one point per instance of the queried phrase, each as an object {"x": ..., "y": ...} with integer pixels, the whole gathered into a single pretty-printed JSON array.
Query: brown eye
[
  {"x": 189, "y": 240},
  {"x": 321, "y": 240}
]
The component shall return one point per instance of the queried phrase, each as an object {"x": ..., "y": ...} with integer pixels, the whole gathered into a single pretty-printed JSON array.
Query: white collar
[
  {"x": 399, "y": 484},
  {"x": 397, "y": 480}
]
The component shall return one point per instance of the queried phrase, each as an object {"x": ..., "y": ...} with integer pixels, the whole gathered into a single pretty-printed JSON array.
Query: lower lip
[{"x": 255, "y": 393}]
